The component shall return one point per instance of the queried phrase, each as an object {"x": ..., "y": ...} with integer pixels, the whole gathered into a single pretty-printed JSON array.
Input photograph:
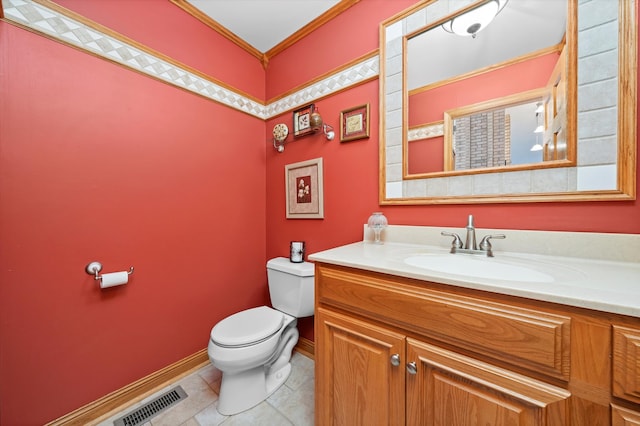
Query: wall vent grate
[{"x": 152, "y": 408}]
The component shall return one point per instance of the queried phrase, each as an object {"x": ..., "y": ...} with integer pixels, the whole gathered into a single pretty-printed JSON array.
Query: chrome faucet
[
  {"x": 470, "y": 246},
  {"x": 470, "y": 241}
]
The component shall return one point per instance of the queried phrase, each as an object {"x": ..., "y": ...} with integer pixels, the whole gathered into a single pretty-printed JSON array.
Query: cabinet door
[
  {"x": 626, "y": 363},
  {"x": 449, "y": 389},
  {"x": 357, "y": 380}
]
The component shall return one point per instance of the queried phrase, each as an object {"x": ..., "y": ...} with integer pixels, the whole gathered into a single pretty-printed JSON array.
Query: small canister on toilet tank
[{"x": 296, "y": 251}]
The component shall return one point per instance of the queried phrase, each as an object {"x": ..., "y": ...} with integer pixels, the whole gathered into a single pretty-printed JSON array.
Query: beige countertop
[{"x": 593, "y": 281}]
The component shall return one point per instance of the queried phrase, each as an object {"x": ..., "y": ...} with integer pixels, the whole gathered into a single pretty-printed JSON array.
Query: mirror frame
[{"x": 393, "y": 110}]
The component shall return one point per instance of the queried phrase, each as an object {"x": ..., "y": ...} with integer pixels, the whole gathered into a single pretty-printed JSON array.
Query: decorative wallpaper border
[
  {"x": 70, "y": 31},
  {"x": 425, "y": 132},
  {"x": 362, "y": 71}
]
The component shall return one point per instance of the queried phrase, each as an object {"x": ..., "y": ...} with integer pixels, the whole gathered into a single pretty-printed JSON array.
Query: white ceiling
[
  {"x": 523, "y": 26},
  {"x": 263, "y": 23}
]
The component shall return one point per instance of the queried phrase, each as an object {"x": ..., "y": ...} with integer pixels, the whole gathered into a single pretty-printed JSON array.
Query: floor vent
[{"x": 152, "y": 408}]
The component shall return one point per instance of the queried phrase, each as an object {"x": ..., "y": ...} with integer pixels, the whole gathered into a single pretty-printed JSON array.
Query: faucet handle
[
  {"x": 486, "y": 245},
  {"x": 457, "y": 241}
]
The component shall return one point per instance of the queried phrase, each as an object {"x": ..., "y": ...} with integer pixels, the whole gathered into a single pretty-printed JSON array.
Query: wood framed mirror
[{"x": 590, "y": 154}]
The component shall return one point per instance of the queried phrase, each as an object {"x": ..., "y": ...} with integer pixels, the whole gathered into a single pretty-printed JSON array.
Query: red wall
[
  {"x": 350, "y": 168},
  {"x": 426, "y": 155},
  {"x": 350, "y": 35},
  {"x": 101, "y": 163},
  {"x": 164, "y": 27},
  {"x": 427, "y": 106}
]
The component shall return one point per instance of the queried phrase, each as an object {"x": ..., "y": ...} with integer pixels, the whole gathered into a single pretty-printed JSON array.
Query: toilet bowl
[{"x": 253, "y": 347}]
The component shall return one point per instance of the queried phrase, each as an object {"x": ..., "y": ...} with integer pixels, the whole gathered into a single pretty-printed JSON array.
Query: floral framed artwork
[
  {"x": 305, "y": 198},
  {"x": 302, "y": 120},
  {"x": 354, "y": 123}
]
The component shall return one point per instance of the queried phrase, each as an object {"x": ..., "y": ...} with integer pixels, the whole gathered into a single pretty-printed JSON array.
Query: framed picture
[
  {"x": 354, "y": 123},
  {"x": 302, "y": 120},
  {"x": 305, "y": 198}
]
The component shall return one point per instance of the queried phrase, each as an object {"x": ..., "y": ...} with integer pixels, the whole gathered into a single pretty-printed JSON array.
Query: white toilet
[{"x": 253, "y": 347}]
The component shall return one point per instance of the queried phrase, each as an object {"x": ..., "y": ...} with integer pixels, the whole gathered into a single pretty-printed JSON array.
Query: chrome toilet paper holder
[{"x": 94, "y": 269}]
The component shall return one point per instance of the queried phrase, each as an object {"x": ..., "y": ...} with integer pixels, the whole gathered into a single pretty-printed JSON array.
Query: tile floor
[{"x": 291, "y": 405}]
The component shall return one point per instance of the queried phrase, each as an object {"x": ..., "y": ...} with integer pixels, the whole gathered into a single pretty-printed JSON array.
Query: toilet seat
[{"x": 247, "y": 327}]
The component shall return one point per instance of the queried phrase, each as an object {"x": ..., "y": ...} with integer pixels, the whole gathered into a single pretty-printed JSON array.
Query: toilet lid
[{"x": 247, "y": 327}]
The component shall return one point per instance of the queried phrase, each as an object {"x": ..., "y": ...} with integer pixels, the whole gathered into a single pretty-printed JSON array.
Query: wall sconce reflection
[{"x": 539, "y": 126}]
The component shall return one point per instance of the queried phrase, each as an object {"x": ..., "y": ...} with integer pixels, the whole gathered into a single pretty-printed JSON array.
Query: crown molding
[
  {"x": 219, "y": 28},
  {"x": 264, "y": 58},
  {"x": 310, "y": 27}
]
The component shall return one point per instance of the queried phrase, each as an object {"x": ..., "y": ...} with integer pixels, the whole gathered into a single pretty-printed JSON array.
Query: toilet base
[{"x": 246, "y": 389}]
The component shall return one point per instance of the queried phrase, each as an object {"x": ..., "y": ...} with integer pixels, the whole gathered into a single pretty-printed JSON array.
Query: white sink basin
[{"x": 476, "y": 266}]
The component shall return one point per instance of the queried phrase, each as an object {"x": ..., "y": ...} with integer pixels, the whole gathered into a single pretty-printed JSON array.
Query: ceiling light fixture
[{"x": 472, "y": 22}]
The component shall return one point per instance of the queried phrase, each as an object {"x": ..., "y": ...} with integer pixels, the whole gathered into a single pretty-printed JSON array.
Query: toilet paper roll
[{"x": 113, "y": 279}]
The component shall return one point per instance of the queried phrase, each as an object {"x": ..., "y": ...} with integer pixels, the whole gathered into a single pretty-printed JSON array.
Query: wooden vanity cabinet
[{"x": 395, "y": 351}]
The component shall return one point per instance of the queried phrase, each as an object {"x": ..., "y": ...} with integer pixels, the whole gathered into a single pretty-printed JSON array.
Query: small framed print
[
  {"x": 302, "y": 120},
  {"x": 354, "y": 123},
  {"x": 305, "y": 198}
]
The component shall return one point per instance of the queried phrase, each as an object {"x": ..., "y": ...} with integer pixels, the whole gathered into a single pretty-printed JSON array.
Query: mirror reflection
[
  {"x": 475, "y": 99},
  {"x": 503, "y": 136},
  {"x": 601, "y": 111},
  {"x": 500, "y": 137}
]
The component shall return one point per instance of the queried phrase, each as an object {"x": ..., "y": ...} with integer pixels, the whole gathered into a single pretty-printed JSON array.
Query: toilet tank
[{"x": 291, "y": 286}]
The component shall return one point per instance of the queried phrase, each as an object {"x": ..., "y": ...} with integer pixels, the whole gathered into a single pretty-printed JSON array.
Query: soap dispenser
[{"x": 378, "y": 222}]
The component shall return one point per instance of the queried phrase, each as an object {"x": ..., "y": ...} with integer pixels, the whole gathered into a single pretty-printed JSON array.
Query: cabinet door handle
[
  {"x": 412, "y": 368},
  {"x": 395, "y": 360}
]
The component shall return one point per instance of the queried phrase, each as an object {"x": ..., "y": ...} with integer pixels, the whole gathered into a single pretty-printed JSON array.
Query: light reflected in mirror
[
  {"x": 484, "y": 74},
  {"x": 598, "y": 111}
]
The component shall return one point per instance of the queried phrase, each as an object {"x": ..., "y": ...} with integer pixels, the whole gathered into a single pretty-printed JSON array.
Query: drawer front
[
  {"x": 626, "y": 363},
  {"x": 536, "y": 340}
]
